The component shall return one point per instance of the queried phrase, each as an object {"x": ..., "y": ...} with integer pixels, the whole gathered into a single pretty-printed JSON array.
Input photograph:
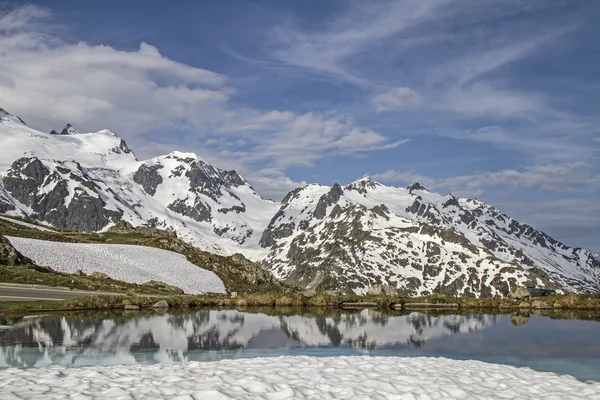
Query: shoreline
[{"x": 132, "y": 302}]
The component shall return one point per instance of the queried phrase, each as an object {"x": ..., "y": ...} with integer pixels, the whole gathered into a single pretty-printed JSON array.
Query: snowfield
[
  {"x": 297, "y": 378},
  {"x": 133, "y": 264}
]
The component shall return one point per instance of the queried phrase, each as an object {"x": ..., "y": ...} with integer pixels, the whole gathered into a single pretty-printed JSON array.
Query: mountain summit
[
  {"x": 348, "y": 238},
  {"x": 67, "y": 130}
]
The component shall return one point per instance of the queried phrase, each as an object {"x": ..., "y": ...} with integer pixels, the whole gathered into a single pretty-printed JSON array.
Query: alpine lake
[{"x": 565, "y": 342}]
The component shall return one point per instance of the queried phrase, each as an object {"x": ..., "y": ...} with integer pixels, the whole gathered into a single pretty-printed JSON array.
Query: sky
[{"x": 493, "y": 99}]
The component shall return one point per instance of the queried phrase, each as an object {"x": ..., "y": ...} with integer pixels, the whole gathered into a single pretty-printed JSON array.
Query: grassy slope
[{"x": 238, "y": 274}]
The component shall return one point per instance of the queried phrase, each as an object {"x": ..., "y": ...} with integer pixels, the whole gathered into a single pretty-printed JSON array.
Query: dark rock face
[
  {"x": 33, "y": 184},
  {"x": 121, "y": 148},
  {"x": 331, "y": 197},
  {"x": 6, "y": 206},
  {"x": 148, "y": 177},
  {"x": 10, "y": 256},
  {"x": 67, "y": 129},
  {"x": 275, "y": 232},
  {"x": 415, "y": 186},
  {"x": 232, "y": 178},
  {"x": 199, "y": 212}
]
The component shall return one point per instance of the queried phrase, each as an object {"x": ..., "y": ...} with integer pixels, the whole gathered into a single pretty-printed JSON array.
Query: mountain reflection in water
[{"x": 217, "y": 334}]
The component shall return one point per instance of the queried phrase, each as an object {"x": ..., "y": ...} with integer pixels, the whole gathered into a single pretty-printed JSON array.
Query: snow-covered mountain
[{"x": 318, "y": 237}]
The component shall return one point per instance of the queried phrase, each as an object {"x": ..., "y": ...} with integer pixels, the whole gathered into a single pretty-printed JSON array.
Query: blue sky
[{"x": 497, "y": 99}]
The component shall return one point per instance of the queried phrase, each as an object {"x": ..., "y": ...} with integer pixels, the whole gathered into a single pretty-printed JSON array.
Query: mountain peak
[
  {"x": 67, "y": 130},
  {"x": 362, "y": 185},
  {"x": 416, "y": 186},
  {"x": 10, "y": 116}
]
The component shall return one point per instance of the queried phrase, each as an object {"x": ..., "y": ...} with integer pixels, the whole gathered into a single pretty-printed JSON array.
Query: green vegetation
[
  {"x": 551, "y": 305},
  {"x": 238, "y": 274},
  {"x": 255, "y": 286}
]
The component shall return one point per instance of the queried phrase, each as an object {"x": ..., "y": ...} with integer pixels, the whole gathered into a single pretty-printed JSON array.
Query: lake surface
[{"x": 566, "y": 346}]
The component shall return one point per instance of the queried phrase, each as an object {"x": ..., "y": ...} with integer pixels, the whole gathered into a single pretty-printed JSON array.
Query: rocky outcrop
[
  {"x": 519, "y": 292},
  {"x": 10, "y": 256},
  {"x": 385, "y": 290},
  {"x": 65, "y": 197},
  {"x": 200, "y": 212},
  {"x": 148, "y": 177},
  {"x": 163, "y": 286},
  {"x": 124, "y": 227},
  {"x": 328, "y": 199}
]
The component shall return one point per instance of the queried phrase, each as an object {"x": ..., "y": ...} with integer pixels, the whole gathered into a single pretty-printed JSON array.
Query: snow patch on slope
[{"x": 133, "y": 264}]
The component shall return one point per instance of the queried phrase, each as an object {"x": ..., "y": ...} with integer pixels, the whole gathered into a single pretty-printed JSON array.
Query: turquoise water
[{"x": 565, "y": 346}]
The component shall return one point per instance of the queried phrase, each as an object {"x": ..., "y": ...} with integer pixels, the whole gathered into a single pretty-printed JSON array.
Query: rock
[
  {"x": 124, "y": 227},
  {"x": 519, "y": 292},
  {"x": 539, "y": 304},
  {"x": 9, "y": 255},
  {"x": 78, "y": 273},
  {"x": 161, "y": 304},
  {"x": 99, "y": 275},
  {"x": 385, "y": 290},
  {"x": 234, "y": 295},
  {"x": 131, "y": 307},
  {"x": 44, "y": 190},
  {"x": 164, "y": 287},
  {"x": 148, "y": 177}
]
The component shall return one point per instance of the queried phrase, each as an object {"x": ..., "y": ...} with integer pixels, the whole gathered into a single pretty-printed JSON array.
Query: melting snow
[
  {"x": 298, "y": 378},
  {"x": 134, "y": 264}
]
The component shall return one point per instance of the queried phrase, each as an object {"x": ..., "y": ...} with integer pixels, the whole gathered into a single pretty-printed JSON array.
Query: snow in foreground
[
  {"x": 298, "y": 377},
  {"x": 134, "y": 264}
]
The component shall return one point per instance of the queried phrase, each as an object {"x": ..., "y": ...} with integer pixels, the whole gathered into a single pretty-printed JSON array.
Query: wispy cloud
[
  {"x": 145, "y": 96},
  {"x": 358, "y": 28},
  {"x": 288, "y": 139},
  {"x": 544, "y": 178},
  {"x": 396, "y": 99}
]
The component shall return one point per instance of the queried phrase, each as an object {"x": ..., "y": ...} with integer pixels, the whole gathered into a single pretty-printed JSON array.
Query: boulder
[
  {"x": 519, "y": 292},
  {"x": 161, "y": 304},
  {"x": 99, "y": 275},
  {"x": 131, "y": 307},
  {"x": 234, "y": 295},
  {"x": 385, "y": 290},
  {"x": 9, "y": 255},
  {"x": 540, "y": 305},
  {"x": 163, "y": 286}
]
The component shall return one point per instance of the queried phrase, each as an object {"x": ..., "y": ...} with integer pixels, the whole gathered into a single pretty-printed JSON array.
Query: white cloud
[
  {"x": 288, "y": 139},
  {"x": 49, "y": 81},
  {"x": 545, "y": 178},
  {"x": 361, "y": 25},
  {"x": 396, "y": 99},
  {"x": 404, "y": 178}
]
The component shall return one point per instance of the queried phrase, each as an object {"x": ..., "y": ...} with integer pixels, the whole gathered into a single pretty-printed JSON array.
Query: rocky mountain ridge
[{"x": 347, "y": 238}]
